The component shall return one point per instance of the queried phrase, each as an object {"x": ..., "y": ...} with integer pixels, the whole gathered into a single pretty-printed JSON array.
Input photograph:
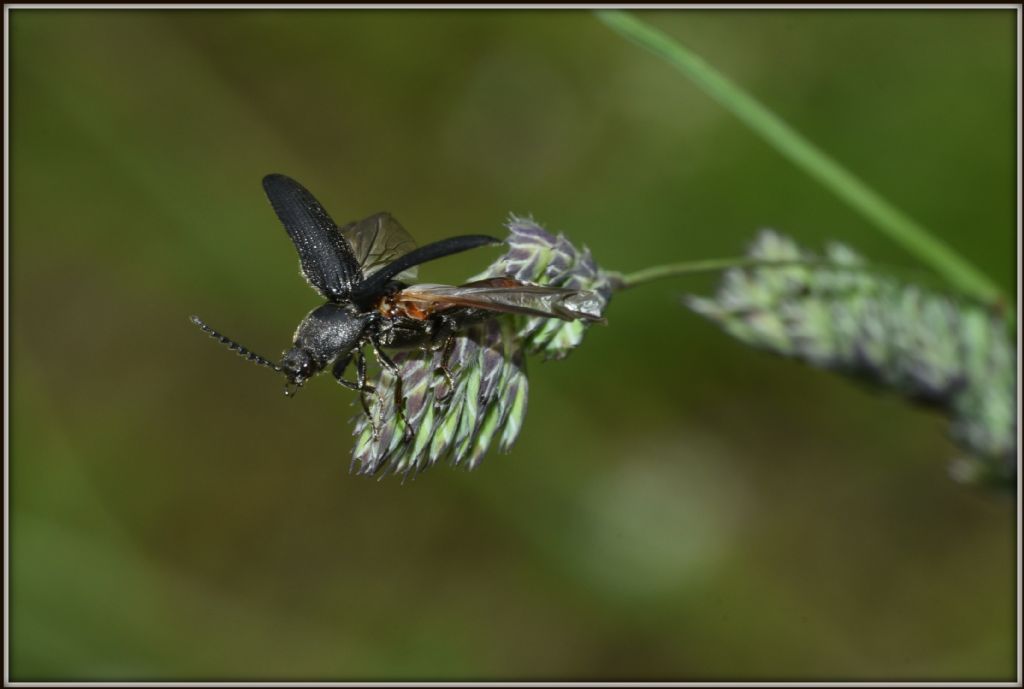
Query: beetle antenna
[{"x": 232, "y": 345}]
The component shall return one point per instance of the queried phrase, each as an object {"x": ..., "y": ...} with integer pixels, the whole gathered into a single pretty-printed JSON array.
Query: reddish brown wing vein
[{"x": 502, "y": 295}]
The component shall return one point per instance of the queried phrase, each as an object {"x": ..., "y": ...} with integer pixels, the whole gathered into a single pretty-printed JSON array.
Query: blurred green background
[{"x": 677, "y": 507}]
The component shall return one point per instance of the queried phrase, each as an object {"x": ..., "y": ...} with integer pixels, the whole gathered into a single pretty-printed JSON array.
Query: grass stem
[{"x": 890, "y": 220}]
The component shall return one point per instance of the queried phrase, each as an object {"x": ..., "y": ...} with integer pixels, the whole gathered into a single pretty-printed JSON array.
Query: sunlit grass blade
[{"x": 827, "y": 171}]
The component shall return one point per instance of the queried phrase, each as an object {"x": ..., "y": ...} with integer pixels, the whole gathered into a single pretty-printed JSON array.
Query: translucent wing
[
  {"x": 373, "y": 285},
  {"x": 377, "y": 241},
  {"x": 505, "y": 295},
  {"x": 326, "y": 260}
]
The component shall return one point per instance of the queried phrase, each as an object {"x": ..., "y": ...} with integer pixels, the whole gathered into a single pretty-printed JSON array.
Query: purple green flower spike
[
  {"x": 487, "y": 406},
  {"x": 833, "y": 312}
]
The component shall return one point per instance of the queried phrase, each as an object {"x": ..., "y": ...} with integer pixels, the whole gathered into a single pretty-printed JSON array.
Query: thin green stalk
[
  {"x": 628, "y": 280},
  {"x": 819, "y": 165},
  {"x": 624, "y": 281}
]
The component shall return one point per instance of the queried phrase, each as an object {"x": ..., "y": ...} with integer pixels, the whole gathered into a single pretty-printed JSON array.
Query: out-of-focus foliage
[
  {"x": 487, "y": 364},
  {"x": 677, "y": 506},
  {"x": 836, "y": 312}
]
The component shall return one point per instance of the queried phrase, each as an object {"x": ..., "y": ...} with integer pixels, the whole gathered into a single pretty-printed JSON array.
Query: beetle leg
[
  {"x": 444, "y": 340},
  {"x": 364, "y": 389},
  {"x": 446, "y": 353},
  {"x": 359, "y": 385},
  {"x": 391, "y": 366},
  {"x": 339, "y": 370}
]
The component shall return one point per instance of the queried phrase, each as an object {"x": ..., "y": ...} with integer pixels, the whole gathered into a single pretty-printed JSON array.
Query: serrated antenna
[{"x": 234, "y": 346}]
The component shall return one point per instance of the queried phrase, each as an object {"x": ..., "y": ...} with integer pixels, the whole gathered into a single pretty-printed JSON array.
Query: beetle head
[{"x": 297, "y": 366}]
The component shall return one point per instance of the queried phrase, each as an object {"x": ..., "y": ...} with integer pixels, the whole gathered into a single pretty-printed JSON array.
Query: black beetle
[{"x": 359, "y": 269}]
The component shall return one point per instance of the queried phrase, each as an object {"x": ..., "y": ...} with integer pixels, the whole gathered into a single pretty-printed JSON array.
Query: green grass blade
[{"x": 819, "y": 165}]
